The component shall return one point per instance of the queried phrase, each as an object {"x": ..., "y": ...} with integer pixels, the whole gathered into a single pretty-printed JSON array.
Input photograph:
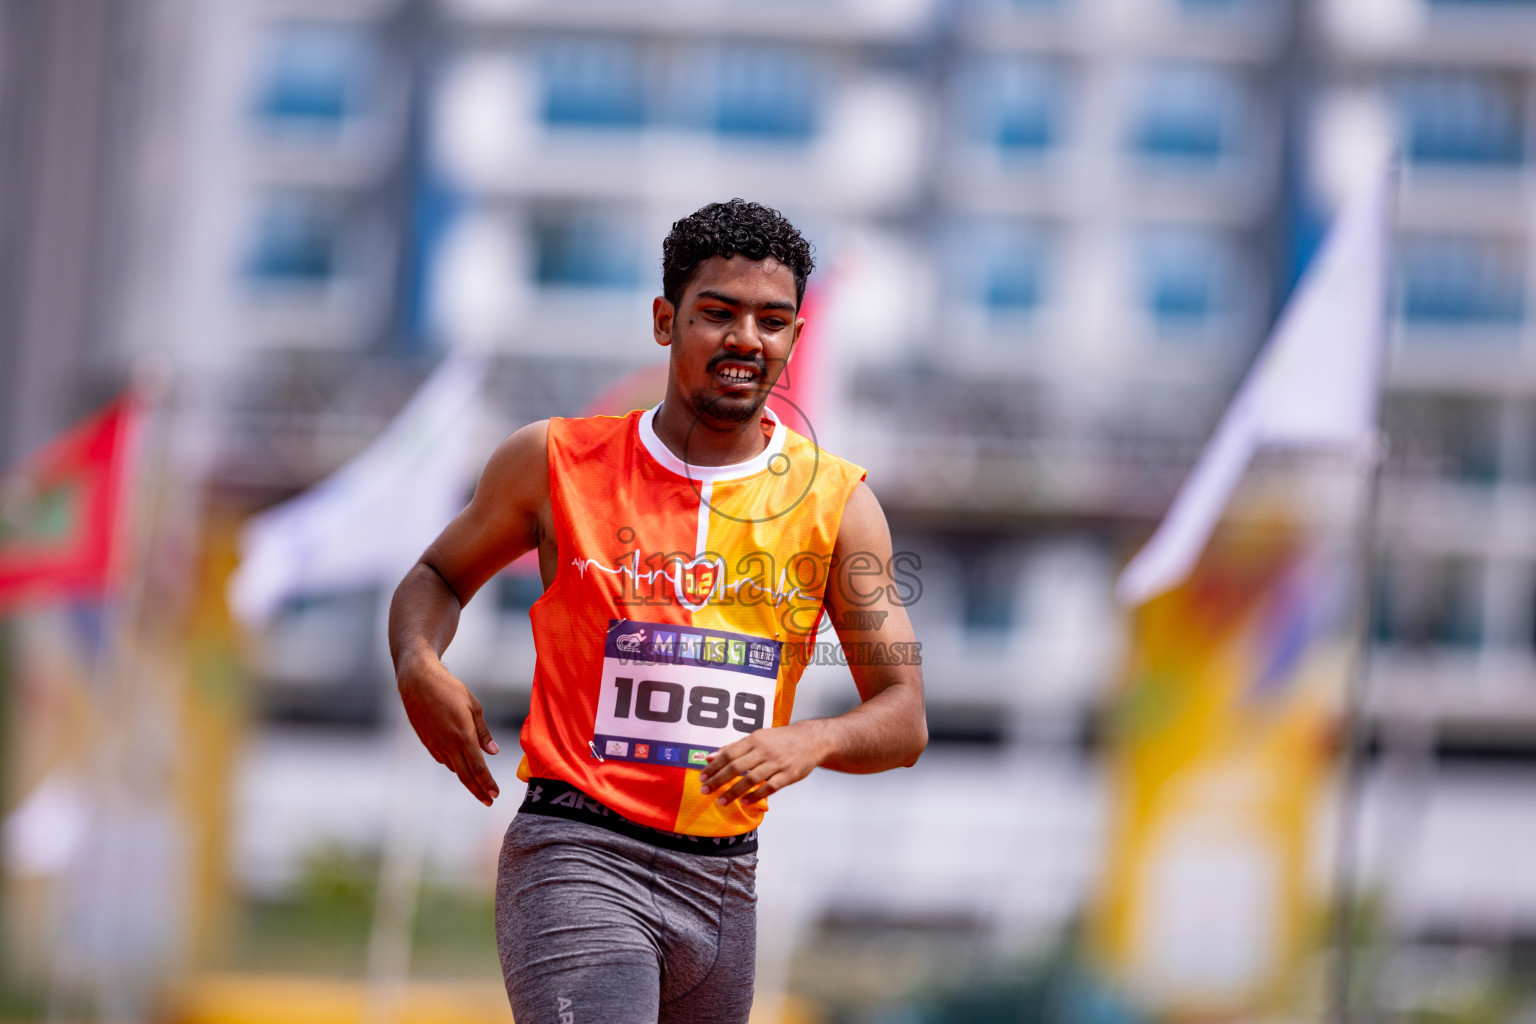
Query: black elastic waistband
[{"x": 555, "y": 799}]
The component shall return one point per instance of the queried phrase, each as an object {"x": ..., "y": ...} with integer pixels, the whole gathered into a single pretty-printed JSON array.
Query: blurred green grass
[{"x": 322, "y": 925}]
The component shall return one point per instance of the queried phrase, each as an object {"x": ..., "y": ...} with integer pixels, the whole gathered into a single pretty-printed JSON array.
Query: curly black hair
[{"x": 736, "y": 228}]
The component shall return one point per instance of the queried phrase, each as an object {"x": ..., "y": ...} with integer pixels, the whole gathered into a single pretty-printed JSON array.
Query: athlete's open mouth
[{"x": 736, "y": 375}]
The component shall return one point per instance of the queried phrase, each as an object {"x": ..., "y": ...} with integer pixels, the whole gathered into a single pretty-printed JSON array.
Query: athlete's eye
[{"x": 716, "y": 313}]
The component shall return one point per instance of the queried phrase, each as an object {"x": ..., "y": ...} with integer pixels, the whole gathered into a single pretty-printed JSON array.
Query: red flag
[
  {"x": 638, "y": 389},
  {"x": 61, "y": 511}
]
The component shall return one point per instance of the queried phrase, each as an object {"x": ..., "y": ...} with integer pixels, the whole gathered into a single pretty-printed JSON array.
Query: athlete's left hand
[{"x": 764, "y": 762}]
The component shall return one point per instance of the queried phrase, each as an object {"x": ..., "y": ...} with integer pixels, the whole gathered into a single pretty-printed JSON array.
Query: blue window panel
[
  {"x": 1013, "y": 276},
  {"x": 314, "y": 74},
  {"x": 1453, "y": 438},
  {"x": 593, "y": 83},
  {"x": 1450, "y": 280},
  {"x": 1471, "y": 443},
  {"x": 1001, "y": 266},
  {"x": 1461, "y": 618},
  {"x": 1189, "y": 113},
  {"x": 296, "y": 240},
  {"x": 1016, "y": 105},
  {"x": 987, "y": 592},
  {"x": 1462, "y": 118},
  {"x": 1426, "y": 605},
  {"x": 1013, "y": 287},
  {"x": 765, "y": 93},
  {"x": 587, "y": 249},
  {"x": 516, "y": 592},
  {"x": 1186, "y": 275},
  {"x": 1182, "y": 296}
]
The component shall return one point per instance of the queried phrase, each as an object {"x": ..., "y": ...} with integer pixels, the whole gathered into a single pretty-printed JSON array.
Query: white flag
[
  {"x": 368, "y": 522},
  {"x": 1316, "y": 383}
]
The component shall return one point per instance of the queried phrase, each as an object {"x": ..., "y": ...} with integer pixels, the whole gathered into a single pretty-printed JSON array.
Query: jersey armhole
[{"x": 555, "y": 519}]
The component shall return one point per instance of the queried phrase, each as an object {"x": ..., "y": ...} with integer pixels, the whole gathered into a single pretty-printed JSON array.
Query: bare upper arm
[
  {"x": 866, "y": 605},
  {"x": 505, "y": 519}
]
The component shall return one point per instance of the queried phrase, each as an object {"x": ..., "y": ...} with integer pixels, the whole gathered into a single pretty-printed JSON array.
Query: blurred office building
[{"x": 1050, "y": 234}]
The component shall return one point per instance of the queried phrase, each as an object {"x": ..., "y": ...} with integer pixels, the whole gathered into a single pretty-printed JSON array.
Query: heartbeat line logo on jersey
[{"x": 695, "y": 583}]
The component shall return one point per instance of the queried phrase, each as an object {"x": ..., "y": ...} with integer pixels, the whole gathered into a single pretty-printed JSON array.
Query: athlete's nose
[{"x": 744, "y": 337}]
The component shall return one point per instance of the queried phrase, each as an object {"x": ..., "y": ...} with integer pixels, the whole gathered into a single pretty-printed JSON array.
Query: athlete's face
[{"x": 730, "y": 337}]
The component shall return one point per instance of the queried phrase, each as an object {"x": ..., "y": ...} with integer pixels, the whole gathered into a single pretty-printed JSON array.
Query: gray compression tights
[{"x": 597, "y": 928}]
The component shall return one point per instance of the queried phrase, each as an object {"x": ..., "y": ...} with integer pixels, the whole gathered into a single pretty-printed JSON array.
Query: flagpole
[
  {"x": 1345, "y": 920},
  {"x": 390, "y": 936},
  {"x": 7, "y": 704},
  {"x": 100, "y": 768},
  {"x": 126, "y": 584}
]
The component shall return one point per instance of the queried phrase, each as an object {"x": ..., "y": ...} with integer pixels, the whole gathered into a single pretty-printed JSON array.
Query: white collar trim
[{"x": 708, "y": 474}]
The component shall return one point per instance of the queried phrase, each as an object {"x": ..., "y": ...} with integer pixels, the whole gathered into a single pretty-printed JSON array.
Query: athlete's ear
[
  {"x": 663, "y": 318},
  {"x": 794, "y": 339}
]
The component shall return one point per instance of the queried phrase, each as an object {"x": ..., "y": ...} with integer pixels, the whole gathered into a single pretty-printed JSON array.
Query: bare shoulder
[
  {"x": 505, "y": 517},
  {"x": 517, "y": 473},
  {"x": 524, "y": 449},
  {"x": 863, "y": 526}
]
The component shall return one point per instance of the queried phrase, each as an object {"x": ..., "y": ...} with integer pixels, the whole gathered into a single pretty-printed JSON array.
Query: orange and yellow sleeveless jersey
[{"x": 681, "y": 615}]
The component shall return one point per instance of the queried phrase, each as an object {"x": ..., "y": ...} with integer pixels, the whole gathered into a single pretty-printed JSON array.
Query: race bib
[{"x": 673, "y": 694}]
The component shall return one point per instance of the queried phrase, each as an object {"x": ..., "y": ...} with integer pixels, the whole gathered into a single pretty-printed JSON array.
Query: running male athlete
[{"x": 687, "y": 555}]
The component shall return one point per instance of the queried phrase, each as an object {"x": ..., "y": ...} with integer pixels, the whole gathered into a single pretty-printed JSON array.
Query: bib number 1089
[{"x": 709, "y": 707}]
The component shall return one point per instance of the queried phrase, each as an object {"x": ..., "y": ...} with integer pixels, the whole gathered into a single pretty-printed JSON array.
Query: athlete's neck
[{"x": 700, "y": 443}]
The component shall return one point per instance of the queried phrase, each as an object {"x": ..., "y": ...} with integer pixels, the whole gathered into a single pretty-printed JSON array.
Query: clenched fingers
[
  {"x": 763, "y": 763},
  {"x": 754, "y": 786},
  {"x": 726, "y": 764},
  {"x": 749, "y": 770}
]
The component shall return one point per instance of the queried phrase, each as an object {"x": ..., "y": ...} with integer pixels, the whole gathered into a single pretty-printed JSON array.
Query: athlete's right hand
[{"x": 450, "y": 723}]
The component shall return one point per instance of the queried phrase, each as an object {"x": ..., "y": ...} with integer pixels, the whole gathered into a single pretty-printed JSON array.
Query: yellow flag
[{"x": 1221, "y": 749}]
